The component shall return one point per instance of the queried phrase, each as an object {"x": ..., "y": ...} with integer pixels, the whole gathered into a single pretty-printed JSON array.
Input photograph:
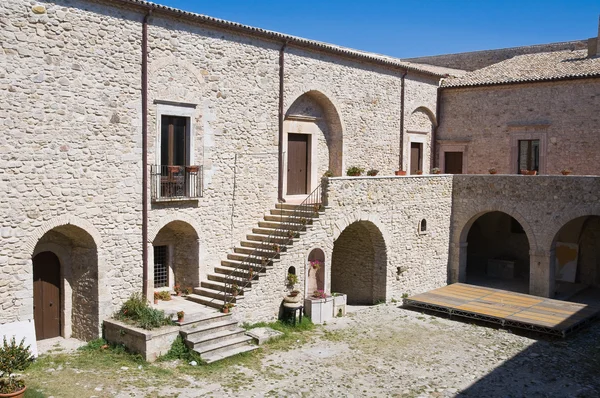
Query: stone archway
[
  {"x": 575, "y": 259},
  {"x": 313, "y": 122},
  {"x": 176, "y": 256},
  {"x": 497, "y": 252},
  {"x": 359, "y": 264},
  {"x": 77, "y": 280}
]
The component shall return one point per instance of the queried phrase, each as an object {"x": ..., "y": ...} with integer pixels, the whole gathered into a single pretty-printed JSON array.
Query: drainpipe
[
  {"x": 281, "y": 73},
  {"x": 401, "y": 156},
  {"x": 145, "y": 152},
  {"x": 438, "y": 110}
]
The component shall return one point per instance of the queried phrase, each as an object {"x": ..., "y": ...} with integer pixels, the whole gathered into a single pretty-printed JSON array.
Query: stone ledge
[{"x": 150, "y": 344}]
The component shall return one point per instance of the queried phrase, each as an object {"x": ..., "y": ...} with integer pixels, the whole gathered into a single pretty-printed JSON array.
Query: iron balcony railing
[{"x": 176, "y": 182}]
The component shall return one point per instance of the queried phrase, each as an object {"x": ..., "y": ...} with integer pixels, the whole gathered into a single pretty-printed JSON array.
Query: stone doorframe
[
  {"x": 418, "y": 137},
  {"x": 523, "y": 132},
  {"x": 302, "y": 125},
  {"x": 452, "y": 146}
]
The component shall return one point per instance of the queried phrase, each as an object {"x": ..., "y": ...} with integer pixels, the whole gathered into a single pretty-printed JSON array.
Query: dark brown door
[
  {"x": 46, "y": 295},
  {"x": 297, "y": 174},
  {"x": 453, "y": 163},
  {"x": 416, "y": 154}
]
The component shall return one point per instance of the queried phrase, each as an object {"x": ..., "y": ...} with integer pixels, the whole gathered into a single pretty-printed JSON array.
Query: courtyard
[{"x": 414, "y": 355}]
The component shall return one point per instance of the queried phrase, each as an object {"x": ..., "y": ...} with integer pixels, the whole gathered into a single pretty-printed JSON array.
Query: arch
[
  {"x": 514, "y": 214},
  {"x": 575, "y": 258},
  {"x": 77, "y": 250},
  {"x": 67, "y": 219},
  {"x": 315, "y": 113},
  {"x": 175, "y": 255},
  {"x": 497, "y": 252},
  {"x": 423, "y": 109},
  {"x": 170, "y": 61},
  {"x": 359, "y": 263},
  {"x": 164, "y": 221},
  {"x": 315, "y": 275},
  {"x": 547, "y": 241}
]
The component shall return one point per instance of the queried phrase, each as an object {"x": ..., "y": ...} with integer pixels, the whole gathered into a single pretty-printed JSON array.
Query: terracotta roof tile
[{"x": 530, "y": 68}]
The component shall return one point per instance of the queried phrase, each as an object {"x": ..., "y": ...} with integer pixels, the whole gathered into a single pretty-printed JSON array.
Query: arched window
[{"x": 423, "y": 226}]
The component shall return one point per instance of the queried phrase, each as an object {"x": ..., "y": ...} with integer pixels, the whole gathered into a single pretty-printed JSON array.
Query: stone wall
[
  {"x": 393, "y": 207},
  {"x": 480, "y": 59},
  {"x": 541, "y": 204},
  {"x": 489, "y": 121}
]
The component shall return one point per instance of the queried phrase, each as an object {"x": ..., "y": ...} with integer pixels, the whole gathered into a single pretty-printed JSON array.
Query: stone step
[
  {"x": 306, "y": 212},
  {"x": 242, "y": 266},
  {"x": 214, "y": 303},
  {"x": 213, "y": 357},
  {"x": 203, "y": 330},
  {"x": 204, "y": 320},
  {"x": 289, "y": 233},
  {"x": 233, "y": 273},
  {"x": 280, "y": 240},
  {"x": 216, "y": 294},
  {"x": 254, "y": 262},
  {"x": 197, "y": 343},
  {"x": 223, "y": 346},
  {"x": 277, "y": 225},
  {"x": 261, "y": 245},
  {"x": 222, "y": 286},
  {"x": 225, "y": 279},
  {"x": 285, "y": 220},
  {"x": 255, "y": 252},
  {"x": 286, "y": 206}
]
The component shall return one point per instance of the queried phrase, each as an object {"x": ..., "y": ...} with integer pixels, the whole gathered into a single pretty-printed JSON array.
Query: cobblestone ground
[{"x": 385, "y": 350}]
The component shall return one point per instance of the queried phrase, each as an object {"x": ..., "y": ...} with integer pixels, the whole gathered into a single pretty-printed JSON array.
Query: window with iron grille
[{"x": 161, "y": 269}]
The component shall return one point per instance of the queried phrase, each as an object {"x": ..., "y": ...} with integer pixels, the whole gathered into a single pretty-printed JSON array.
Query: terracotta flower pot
[
  {"x": 400, "y": 172},
  {"x": 16, "y": 394},
  {"x": 225, "y": 310},
  {"x": 180, "y": 320}
]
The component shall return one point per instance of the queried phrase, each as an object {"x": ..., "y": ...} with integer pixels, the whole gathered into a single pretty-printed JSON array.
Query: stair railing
[{"x": 274, "y": 244}]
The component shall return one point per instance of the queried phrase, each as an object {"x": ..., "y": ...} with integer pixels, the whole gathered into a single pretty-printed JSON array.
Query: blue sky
[{"x": 410, "y": 28}]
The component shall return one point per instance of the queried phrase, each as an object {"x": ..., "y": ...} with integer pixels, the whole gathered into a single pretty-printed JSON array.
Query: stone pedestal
[{"x": 319, "y": 310}]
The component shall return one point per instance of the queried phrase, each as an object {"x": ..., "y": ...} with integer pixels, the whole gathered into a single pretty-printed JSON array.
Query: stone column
[
  {"x": 541, "y": 273},
  {"x": 457, "y": 268}
]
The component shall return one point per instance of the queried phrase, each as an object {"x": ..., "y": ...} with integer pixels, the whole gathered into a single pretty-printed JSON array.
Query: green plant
[
  {"x": 328, "y": 173},
  {"x": 292, "y": 279},
  {"x": 234, "y": 289},
  {"x": 164, "y": 295},
  {"x": 137, "y": 311},
  {"x": 13, "y": 357},
  {"x": 354, "y": 171},
  {"x": 181, "y": 351},
  {"x": 180, "y": 315},
  {"x": 404, "y": 295},
  {"x": 187, "y": 290},
  {"x": 436, "y": 170},
  {"x": 177, "y": 289},
  {"x": 372, "y": 172}
]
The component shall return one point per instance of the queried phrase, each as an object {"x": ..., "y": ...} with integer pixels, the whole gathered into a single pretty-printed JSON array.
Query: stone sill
[{"x": 175, "y": 200}]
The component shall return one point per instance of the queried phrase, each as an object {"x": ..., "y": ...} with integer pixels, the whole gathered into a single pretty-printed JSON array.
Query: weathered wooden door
[
  {"x": 453, "y": 162},
  {"x": 416, "y": 154},
  {"x": 297, "y": 173},
  {"x": 46, "y": 295}
]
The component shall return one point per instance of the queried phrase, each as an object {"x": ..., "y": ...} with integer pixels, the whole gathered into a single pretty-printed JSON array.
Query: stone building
[
  {"x": 145, "y": 147},
  {"x": 533, "y": 111}
]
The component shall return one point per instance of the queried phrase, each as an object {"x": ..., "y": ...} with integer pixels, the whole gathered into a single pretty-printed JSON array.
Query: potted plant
[
  {"x": 292, "y": 279},
  {"x": 419, "y": 172},
  {"x": 436, "y": 170},
  {"x": 226, "y": 308},
  {"x": 565, "y": 172},
  {"x": 156, "y": 297},
  {"x": 177, "y": 289},
  {"x": 180, "y": 315},
  {"x": 276, "y": 248},
  {"x": 328, "y": 173},
  {"x": 234, "y": 289},
  {"x": 187, "y": 291},
  {"x": 354, "y": 171},
  {"x": 174, "y": 169},
  {"x": 13, "y": 357},
  {"x": 192, "y": 169},
  {"x": 400, "y": 172},
  {"x": 250, "y": 273},
  {"x": 315, "y": 264},
  {"x": 372, "y": 172},
  {"x": 492, "y": 170}
]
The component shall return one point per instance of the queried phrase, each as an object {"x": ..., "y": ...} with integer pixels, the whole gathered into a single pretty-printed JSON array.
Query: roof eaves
[
  {"x": 276, "y": 36},
  {"x": 520, "y": 81}
]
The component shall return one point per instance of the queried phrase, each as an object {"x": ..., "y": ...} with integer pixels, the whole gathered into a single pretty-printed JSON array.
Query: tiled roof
[
  {"x": 294, "y": 40},
  {"x": 531, "y": 68}
]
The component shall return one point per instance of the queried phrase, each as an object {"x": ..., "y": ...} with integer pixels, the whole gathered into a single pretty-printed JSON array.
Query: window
[
  {"x": 529, "y": 155},
  {"x": 174, "y": 147},
  {"x": 161, "y": 268},
  {"x": 423, "y": 226}
]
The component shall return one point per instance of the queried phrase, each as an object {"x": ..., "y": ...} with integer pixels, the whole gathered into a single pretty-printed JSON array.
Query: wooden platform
[{"x": 507, "y": 308}]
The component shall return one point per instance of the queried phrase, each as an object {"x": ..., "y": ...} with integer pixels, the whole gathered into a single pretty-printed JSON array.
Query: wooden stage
[{"x": 506, "y": 308}]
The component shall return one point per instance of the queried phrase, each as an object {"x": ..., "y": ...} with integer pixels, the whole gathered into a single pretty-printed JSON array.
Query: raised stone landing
[{"x": 506, "y": 308}]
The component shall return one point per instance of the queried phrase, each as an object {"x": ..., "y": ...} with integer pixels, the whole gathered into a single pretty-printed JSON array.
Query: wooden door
[
  {"x": 46, "y": 295},
  {"x": 453, "y": 162},
  {"x": 297, "y": 173},
  {"x": 416, "y": 154}
]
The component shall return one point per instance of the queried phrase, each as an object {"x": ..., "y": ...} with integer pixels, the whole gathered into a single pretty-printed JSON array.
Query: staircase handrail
[{"x": 312, "y": 203}]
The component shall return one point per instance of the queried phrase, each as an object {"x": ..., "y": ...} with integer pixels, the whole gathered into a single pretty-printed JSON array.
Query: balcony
[{"x": 173, "y": 183}]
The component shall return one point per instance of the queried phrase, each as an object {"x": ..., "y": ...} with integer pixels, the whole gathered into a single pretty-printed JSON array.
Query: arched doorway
[
  {"x": 312, "y": 142},
  {"x": 419, "y": 127},
  {"x": 46, "y": 295},
  {"x": 315, "y": 272},
  {"x": 176, "y": 256},
  {"x": 498, "y": 253},
  {"x": 575, "y": 260},
  {"x": 65, "y": 284},
  {"x": 359, "y": 264}
]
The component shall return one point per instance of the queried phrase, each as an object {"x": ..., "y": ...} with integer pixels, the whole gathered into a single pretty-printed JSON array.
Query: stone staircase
[
  {"x": 215, "y": 336},
  {"x": 255, "y": 255}
]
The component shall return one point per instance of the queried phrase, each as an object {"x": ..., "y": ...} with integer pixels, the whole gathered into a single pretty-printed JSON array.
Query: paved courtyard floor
[{"x": 376, "y": 351}]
